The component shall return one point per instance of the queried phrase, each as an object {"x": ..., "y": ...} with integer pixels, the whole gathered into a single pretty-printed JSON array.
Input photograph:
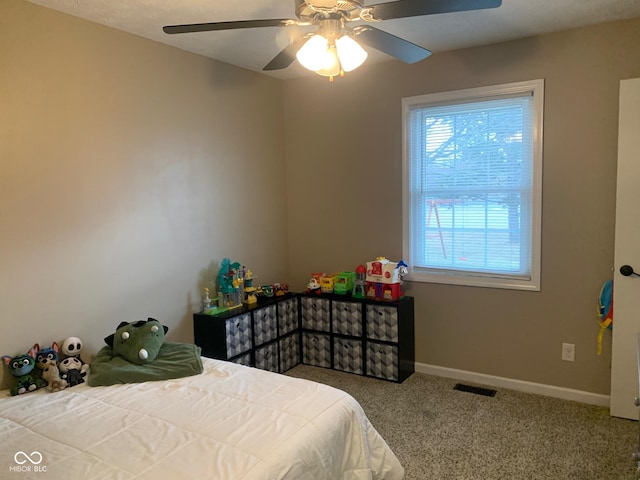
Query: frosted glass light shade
[
  {"x": 331, "y": 64},
  {"x": 350, "y": 53},
  {"x": 311, "y": 54}
]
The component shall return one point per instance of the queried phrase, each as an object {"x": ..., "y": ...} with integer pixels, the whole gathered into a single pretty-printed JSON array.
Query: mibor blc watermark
[{"x": 30, "y": 463}]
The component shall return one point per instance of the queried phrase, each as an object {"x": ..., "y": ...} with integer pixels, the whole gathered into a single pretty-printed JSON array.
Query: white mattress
[{"x": 231, "y": 422}]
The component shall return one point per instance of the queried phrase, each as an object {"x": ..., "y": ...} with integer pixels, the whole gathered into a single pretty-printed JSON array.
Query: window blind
[{"x": 470, "y": 186}]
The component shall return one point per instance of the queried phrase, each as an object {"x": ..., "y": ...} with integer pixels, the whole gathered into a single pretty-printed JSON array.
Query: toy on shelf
[
  {"x": 339, "y": 283},
  {"x": 343, "y": 283},
  {"x": 233, "y": 278},
  {"x": 209, "y": 305},
  {"x": 206, "y": 301},
  {"x": 250, "y": 295},
  {"x": 359, "y": 282},
  {"x": 236, "y": 287},
  {"x": 248, "y": 277},
  {"x": 384, "y": 278},
  {"x": 314, "y": 283},
  {"x": 280, "y": 289},
  {"x": 313, "y": 286},
  {"x": 326, "y": 283}
]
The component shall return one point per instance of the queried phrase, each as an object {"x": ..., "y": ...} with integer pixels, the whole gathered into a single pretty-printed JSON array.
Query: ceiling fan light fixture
[
  {"x": 321, "y": 52},
  {"x": 350, "y": 53}
]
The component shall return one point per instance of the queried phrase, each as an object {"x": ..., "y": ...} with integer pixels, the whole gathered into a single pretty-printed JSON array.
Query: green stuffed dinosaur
[{"x": 138, "y": 342}]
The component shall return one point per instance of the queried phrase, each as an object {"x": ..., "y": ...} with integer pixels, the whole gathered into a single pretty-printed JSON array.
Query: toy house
[{"x": 383, "y": 279}]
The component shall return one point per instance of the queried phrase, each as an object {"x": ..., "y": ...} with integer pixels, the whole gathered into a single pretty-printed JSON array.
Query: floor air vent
[{"x": 487, "y": 392}]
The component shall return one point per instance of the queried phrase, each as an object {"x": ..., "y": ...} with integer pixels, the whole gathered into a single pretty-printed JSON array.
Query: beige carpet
[{"x": 441, "y": 433}]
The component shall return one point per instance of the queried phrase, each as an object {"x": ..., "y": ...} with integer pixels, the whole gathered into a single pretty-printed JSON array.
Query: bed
[{"x": 229, "y": 422}]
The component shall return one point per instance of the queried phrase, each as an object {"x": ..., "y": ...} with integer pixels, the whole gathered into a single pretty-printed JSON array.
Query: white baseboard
[{"x": 512, "y": 384}]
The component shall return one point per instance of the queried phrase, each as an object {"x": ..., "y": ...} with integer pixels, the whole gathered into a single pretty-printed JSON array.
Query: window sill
[{"x": 475, "y": 281}]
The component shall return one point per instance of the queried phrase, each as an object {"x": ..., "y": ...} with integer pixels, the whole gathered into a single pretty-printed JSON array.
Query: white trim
[{"x": 513, "y": 384}]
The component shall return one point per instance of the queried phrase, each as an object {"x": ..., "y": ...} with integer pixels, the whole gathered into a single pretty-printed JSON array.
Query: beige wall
[
  {"x": 344, "y": 147},
  {"x": 128, "y": 171}
]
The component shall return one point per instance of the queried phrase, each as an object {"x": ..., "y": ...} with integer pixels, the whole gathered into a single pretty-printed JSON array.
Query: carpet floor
[{"x": 439, "y": 433}]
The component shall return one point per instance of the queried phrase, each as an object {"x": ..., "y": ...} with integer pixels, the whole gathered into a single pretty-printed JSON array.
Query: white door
[{"x": 626, "y": 301}]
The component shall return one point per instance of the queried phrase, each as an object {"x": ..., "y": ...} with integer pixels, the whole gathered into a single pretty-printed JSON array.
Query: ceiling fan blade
[
  {"x": 213, "y": 26},
  {"x": 390, "y": 44},
  {"x": 415, "y": 8},
  {"x": 287, "y": 55}
]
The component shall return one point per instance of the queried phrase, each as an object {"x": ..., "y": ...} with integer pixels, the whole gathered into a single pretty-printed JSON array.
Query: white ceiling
[{"x": 254, "y": 48}]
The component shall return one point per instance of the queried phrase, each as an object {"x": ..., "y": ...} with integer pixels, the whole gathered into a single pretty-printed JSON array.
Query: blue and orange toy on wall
[{"x": 383, "y": 279}]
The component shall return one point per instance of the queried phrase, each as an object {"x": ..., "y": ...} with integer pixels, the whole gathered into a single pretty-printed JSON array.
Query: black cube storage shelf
[
  {"x": 263, "y": 335},
  {"x": 359, "y": 336}
]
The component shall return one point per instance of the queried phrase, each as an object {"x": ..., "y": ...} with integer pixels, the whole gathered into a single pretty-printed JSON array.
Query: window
[{"x": 472, "y": 186}]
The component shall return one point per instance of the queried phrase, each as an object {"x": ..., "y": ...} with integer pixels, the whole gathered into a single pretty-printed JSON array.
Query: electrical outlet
[{"x": 568, "y": 352}]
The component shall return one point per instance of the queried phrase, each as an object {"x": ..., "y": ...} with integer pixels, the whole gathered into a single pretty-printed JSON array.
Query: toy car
[
  {"x": 326, "y": 284},
  {"x": 313, "y": 286},
  {"x": 343, "y": 283}
]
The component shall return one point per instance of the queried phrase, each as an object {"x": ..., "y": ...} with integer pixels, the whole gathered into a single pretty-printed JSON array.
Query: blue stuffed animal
[
  {"x": 21, "y": 367},
  {"x": 47, "y": 355},
  {"x": 47, "y": 362}
]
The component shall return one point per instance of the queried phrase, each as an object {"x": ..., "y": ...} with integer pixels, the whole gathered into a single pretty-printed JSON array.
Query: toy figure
[
  {"x": 51, "y": 375},
  {"x": 71, "y": 371},
  {"x": 248, "y": 279},
  {"x": 403, "y": 270},
  {"x": 47, "y": 361},
  {"x": 47, "y": 354},
  {"x": 72, "y": 347},
  {"x": 21, "y": 367},
  {"x": 206, "y": 302}
]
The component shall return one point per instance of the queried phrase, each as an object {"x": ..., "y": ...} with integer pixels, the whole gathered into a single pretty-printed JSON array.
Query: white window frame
[{"x": 534, "y": 88}]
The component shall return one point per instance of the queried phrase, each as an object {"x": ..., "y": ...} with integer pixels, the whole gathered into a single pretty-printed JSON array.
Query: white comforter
[{"x": 231, "y": 422}]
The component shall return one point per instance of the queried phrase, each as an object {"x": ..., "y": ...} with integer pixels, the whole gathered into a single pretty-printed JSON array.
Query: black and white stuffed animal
[
  {"x": 71, "y": 371},
  {"x": 72, "y": 347}
]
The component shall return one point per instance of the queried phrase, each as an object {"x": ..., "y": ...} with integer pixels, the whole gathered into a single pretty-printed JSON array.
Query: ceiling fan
[{"x": 332, "y": 50}]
